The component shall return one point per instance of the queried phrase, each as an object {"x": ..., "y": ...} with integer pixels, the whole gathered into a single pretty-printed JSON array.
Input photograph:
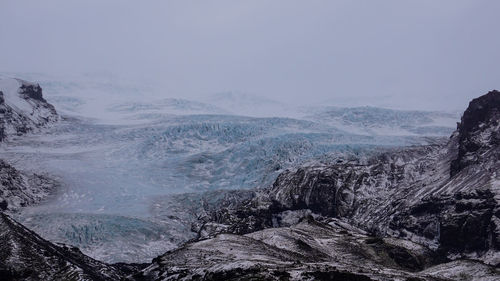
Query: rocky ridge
[{"x": 23, "y": 108}]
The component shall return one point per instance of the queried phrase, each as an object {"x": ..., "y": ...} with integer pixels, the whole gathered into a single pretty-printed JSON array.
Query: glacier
[{"x": 130, "y": 166}]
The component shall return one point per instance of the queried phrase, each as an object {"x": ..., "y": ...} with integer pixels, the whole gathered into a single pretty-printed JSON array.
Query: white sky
[{"x": 423, "y": 54}]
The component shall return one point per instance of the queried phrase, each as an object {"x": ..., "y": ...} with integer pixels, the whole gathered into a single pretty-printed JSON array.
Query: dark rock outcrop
[
  {"x": 32, "y": 91},
  {"x": 23, "y": 108},
  {"x": 479, "y": 131}
]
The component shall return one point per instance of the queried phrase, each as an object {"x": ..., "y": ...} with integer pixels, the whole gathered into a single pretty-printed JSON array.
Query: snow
[{"x": 10, "y": 88}]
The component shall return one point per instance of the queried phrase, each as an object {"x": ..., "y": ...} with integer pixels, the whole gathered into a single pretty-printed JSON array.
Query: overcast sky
[{"x": 423, "y": 54}]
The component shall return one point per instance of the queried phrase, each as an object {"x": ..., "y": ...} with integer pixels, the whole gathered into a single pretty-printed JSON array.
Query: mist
[{"x": 432, "y": 55}]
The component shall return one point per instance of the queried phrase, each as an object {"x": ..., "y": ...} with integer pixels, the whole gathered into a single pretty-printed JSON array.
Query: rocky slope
[
  {"x": 26, "y": 256},
  {"x": 19, "y": 189},
  {"x": 22, "y": 109},
  {"x": 443, "y": 197},
  {"x": 309, "y": 250},
  {"x": 23, "y": 254}
]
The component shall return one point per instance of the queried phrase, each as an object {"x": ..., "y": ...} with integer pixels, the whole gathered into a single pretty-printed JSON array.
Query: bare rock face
[
  {"x": 32, "y": 91},
  {"x": 479, "y": 131}
]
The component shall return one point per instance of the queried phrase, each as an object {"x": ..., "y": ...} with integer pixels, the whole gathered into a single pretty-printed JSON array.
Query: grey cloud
[{"x": 422, "y": 54}]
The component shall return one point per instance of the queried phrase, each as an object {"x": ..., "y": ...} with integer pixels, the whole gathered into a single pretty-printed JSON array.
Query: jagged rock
[
  {"x": 479, "y": 130},
  {"x": 33, "y": 91},
  {"x": 23, "y": 108}
]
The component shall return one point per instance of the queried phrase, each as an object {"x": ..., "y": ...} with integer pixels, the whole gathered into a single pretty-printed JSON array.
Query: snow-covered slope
[
  {"x": 308, "y": 250},
  {"x": 22, "y": 108}
]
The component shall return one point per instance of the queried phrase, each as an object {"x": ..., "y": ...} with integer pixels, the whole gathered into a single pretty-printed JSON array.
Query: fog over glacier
[
  {"x": 418, "y": 55},
  {"x": 166, "y": 100}
]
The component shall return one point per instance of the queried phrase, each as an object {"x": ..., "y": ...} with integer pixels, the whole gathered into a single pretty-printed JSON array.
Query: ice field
[{"x": 120, "y": 157}]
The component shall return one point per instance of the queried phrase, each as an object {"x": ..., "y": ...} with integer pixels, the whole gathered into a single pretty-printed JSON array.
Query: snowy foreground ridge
[{"x": 336, "y": 201}]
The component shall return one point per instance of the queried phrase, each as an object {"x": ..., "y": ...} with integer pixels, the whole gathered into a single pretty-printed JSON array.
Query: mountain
[
  {"x": 23, "y": 108},
  {"x": 419, "y": 213},
  {"x": 23, "y": 254}
]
